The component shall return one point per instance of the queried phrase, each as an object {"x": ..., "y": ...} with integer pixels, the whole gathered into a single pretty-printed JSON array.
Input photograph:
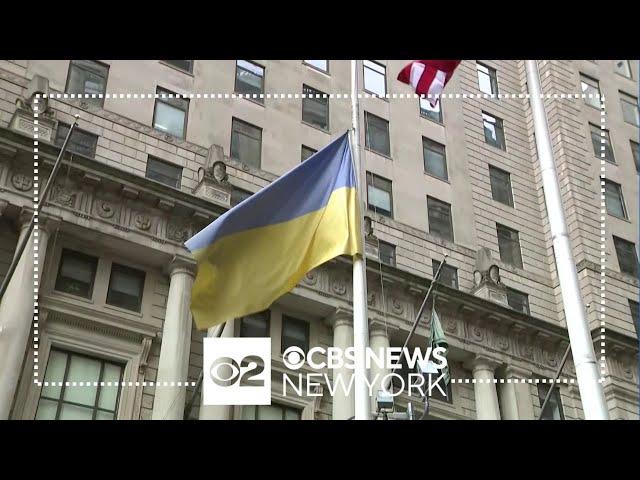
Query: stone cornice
[{"x": 594, "y": 267}]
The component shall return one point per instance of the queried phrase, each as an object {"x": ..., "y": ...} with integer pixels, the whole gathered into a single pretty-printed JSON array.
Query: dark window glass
[
  {"x": 88, "y": 77},
  {"x": 440, "y": 222},
  {"x": 379, "y": 195},
  {"x": 509, "y": 245},
  {"x": 295, "y": 333},
  {"x": 256, "y": 325},
  {"x": 81, "y": 142},
  {"x": 377, "y": 134},
  {"x": 170, "y": 114},
  {"x": 493, "y": 131},
  {"x": 387, "y": 253},
  {"x": 435, "y": 159},
  {"x": 186, "y": 65},
  {"x": 315, "y": 110},
  {"x": 518, "y": 301},
  {"x": 163, "y": 172},
  {"x": 501, "y": 186},
  {"x": 126, "y": 286},
  {"x": 596, "y": 140},
  {"x": 553, "y": 410},
  {"x": 76, "y": 274},
  {"x": 306, "y": 153},
  {"x": 627, "y": 256},
  {"x": 448, "y": 274},
  {"x": 246, "y": 143},
  {"x": 250, "y": 79}
]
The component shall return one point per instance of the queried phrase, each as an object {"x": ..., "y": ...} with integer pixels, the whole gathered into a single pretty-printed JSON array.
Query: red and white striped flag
[{"x": 428, "y": 77}]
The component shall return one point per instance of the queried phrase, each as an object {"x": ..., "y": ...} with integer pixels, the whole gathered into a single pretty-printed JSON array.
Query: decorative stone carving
[
  {"x": 213, "y": 178},
  {"x": 22, "y": 181},
  {"x": 476, "y": 333},
  {"x": 368, "y": 227},
  {"x": 104, "y": 209},
  {"x": 311, "y": 278},
  {"x": 487, "y": 278},
  {"x": 23, "y": 116},
  {"x": 63, "y": 195},
  {"x": 550, "y": 358},
  {"x": 339, "y": 286},
  {"x": 502, "y": 342},
  {"x": 397, "y": 306},
  {"x": 178, "y": 233},
  {"x": 142, "y": 221},
  {"x": 450, "y": 325}
]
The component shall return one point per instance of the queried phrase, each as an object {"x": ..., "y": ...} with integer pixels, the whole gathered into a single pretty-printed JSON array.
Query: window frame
[
  {"x": 305, "y": 147},
  {"x": 435, "y": 264},
  {"x": 77, "y": 254},
  {"x": 392, "y": 249},
  {"x": 58, "y": 142},
  {"x": 630, "y": 70},
  {"x": 60, "y": 400},
  {"x": 619, "y": 242},
  {"x": 310, "y": 65},
  {"x": 258, "y": 99},
  {"x": 98, "y": 100},
  {"x": 429, "y": 144},
  {"x": 495, "y": 170},
  {"x": 596, "y": 131},
  {"x": 242, "y": 191},
  {"x": 438, "y": 202},
  {"x": 127, "y": 269},
  {"x": 367, "y": 115},
  {"x": 511, "y": 292},
  {"x": 493, "y": 80},
  {"x": 163, "y": 91},
  {"x": 500, "y": 226},
  {"x": 500, "y": 133},
  {"x": 384, "y": 76},
  {"x": 305, "y": 99},
  {"x": 542, "y": 391},
  {"x": 170, "y": 63},
  {"x": 285, "y": 408},
  {"x": 151, "y": 159},
  {"x": 374, "y": 177},
  {"x": 633, "y": 307},
  {"x": 422, "y": 99},
  {"x": 587, "y": 100},
  {"x": 633, "y": 101},
  {"x": 237, "y": 120},
  {"x": 609, "y": 183},
  {"x": 635, "y": 154},
  {"x": 295, "y": 321},
  {"x": 265, "y": 315}
]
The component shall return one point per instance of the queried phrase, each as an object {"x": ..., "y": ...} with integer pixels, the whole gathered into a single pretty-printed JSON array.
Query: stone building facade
[{"x": 164, "y": 147}]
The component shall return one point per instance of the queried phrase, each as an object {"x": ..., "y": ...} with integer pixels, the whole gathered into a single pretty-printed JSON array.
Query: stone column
[
  {"x": 217, "y": 412},
  {"x": 343, "y": 398},
  {"x": 17, "y": 309},
  {"x": 173, "y": 365},
  {"x": 379, "y": 343},
  {"x": 484, "y": 388},
  {"x": 516, "y": 401}
]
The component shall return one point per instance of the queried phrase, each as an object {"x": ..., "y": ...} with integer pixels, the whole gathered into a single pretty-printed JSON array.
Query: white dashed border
[{"x": 299, "y": 96}]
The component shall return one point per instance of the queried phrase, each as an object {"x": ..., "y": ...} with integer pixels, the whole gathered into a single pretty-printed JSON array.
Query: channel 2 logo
[{"x": 237, "y": 371}]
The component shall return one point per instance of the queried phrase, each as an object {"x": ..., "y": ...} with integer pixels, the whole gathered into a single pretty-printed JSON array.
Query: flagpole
[
  {"x": 581, "y": 343},
  {"x": 360, "y": 316}
]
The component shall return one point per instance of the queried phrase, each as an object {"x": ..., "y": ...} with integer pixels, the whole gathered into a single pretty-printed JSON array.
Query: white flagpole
[
  {"x": 591, "y": 391},
  {"x": 360, "y": 317}
]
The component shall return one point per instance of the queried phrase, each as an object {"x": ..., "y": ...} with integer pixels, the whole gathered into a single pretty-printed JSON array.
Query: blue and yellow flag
[{"x": 260, "y": 249}]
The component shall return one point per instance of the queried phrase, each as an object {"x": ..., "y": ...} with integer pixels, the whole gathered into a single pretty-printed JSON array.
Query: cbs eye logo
[
  {"x": 293, "y": 358},
  {"x": 227, "y": 372}
]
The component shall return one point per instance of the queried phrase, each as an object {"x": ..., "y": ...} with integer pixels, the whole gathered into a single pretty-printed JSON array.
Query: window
[
  {"x": 435, "y": 160},
  {"x": 379, "y": 195},
  {"x": 125, "y": 287},
  {"x": 163, "y": 172},
  {"x": 375, "y": 80},
  {"x": 322, "y": 65},
  {"x": 501, "y": 186},
  {"x": 622, "y": 67},
  {"x": 170, "y": 114},
  {"x": 81, "y": 142},
  {"x": 239, "y": 195},
  {"x": 627, "y": 256},
  {"x": 97, "y": 400},
  {"x": 377, "y": 134},
  {"x": 629, "y": 109},
  {"x": 509, "y": 245},
  {"x": 633, "y": 306},
  {"x": 591, "y": 87},
  {"x": 440, "y": 222},
  {"x": 76, "y": 273},
  {"x": 493, "y": 131},
  {"x": 448, "y": 274},
  {"x": 634, "y": 152},
  {"x": 295, "y": 333},
  {"x": 256, "y": 325},
  {"x": 246, "y": 143},
  {"x": 487, "y": 79},
  {"x": 596, "y": 139},
  {"x": 186, "y": 65},
  {"x": 553, "y": 410},
  {"x": 274, "y": 411},
  {"x": 88, "y": 77},
  {"x": 315, "y": 110},
  {"x": 433, "y": 113},
  {"x": 518, "y": 301},
  {"x": 250, "y": 79},
  {"x": 307, "y": 152},
  {"x": 614, "y": 199},
  {"x": 387, "y": 253}
]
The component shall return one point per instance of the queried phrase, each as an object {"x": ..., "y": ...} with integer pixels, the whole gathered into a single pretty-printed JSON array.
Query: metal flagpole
[
  {"x": 27, "y": 236},
  {"x": 360, "y": 317},
  {"x": 591, "y": 392}
]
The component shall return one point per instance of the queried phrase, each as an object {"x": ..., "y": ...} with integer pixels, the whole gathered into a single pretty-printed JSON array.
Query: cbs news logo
[{"x": 237, "y": 371}]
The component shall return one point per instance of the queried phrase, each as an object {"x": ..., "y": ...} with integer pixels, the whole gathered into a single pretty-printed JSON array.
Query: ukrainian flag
[{"x": 260, "y": 249}]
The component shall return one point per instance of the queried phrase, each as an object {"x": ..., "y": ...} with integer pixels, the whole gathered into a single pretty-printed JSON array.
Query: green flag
[{"x": 439, "y": 340}]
